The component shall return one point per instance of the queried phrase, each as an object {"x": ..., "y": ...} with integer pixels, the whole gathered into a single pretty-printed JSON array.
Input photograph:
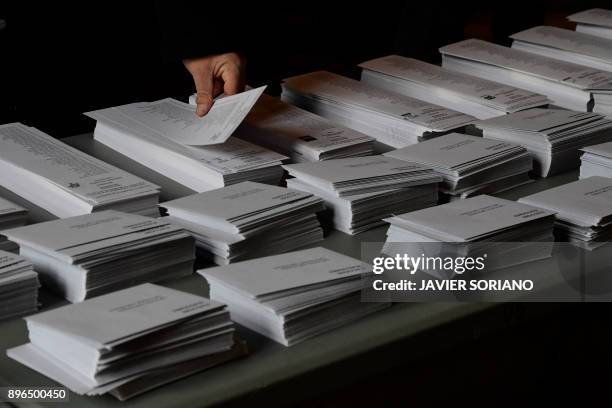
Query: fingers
[
  {"x": 233, "y": 81},
  {"x": 205, "y": 89}
]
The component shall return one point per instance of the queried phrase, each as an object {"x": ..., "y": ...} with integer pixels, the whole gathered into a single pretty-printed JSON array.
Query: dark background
[{"x": 60, "y": 59}]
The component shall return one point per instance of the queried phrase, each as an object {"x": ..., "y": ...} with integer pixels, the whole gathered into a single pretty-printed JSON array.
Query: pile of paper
[
  {"x": 65, "y": 181},
  {"x": 393, "y": 119},
  {"x": 470, "y": 165},
  {"x": 129, "y": 341},
  {"x": 18, "y": 286},
  {"x": 167, "y": 137},
  {"x": 502, "y": 229},
  {"x": 584, "y": 210},
  {"x": 299, "y": 134},
  {"x": 11, "y": 216},
  {"x": 553, "y": 137},
  {"x": 566, "y": 45},
  {"x": 248, "y": 220},
  {"x": 594, "y": 21},
  {"x": 596, "y": 161},
  {"x": 292, "y": 297},
  {"x": 359, "y": 192},
  {"x": 566, "y": 84},
  {"x": 454, "y": 90},
  {"x": 88, "y": 255}
]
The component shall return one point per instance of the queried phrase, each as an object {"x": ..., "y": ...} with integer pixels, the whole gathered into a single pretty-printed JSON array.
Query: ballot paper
[
  {"x": 18, "y": 286},
  {"x": 566, "y": 45},
  {"x": 596, "y": 161},
  {"x": 89, "y": 255},
  {"x": 178, "y": 122},
  {"x": 584, "y": 210},
  {"x": 393, "y": 119},
  {"x": 299, "y": 134},
  {"x": 359, "y": 192},
  {"x": 200, "y": 168},
  {"x": 566, "y": 84},
  {"x": 594, "y": 21},
  {"x": 476, "y": 226},
  {"x": 553, "y": 137},
  {"x": 11, "y": 216},
  {"x": 468, "y": 164},
  {"x": 454, "y": 90},
  {"x": 295, "y": 296},
  {"x": 65, "y": 181},
  {"x": 248, "y": 220},
  {"x": 99, "y": 345}
]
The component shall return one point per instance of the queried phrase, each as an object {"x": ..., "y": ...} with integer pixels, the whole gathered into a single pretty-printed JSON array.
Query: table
[{"x": 273, "y": 371}]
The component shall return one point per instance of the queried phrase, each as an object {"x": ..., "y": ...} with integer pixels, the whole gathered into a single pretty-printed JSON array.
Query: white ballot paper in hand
[{"x": 177, "y": 120}]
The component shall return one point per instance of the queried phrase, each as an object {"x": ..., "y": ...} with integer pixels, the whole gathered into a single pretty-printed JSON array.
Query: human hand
[{"x": 215, "y": 74}]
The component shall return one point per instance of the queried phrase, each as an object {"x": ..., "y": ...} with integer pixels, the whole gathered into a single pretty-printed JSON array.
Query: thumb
[
  {"x": 204, "y": 83},
  {"x": 232, "y": 81}
]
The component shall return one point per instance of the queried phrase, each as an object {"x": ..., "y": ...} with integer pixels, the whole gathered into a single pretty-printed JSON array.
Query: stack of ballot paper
[
  {"x": 454, "y": 90},
  {"x": 88, "y": 255},
  {"x": 553, "y": 137},
  {"x": 65, "y": 181},
  {"x": 502, "y": 229},
  {"x": 470, "y": 165},
  {"x": 584, "y": 210},
  {"x": 299, "y": 134},
  {"x": 566, "y": 84},
  {"x": 248, "y": 220},
  {"x": 594, "y": 21},
  {"x": 292, "y": 297},
  {"x": 11, "y": 216},
  {"x": 596, "y": 161},
  {"x": 114, "y": 343},
  {"x": 18, "y": 286},
  {"x": 393, "y": 119},
  {"x": 359, "y": 192},
  {"x": 566, "y": 45},
  {"x": 167, "y": 137}
]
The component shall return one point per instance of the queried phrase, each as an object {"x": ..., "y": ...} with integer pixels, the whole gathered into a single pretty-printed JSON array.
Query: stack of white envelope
[
  {"x": 18, "y": 286},
  {"x": 299, "y": 134},
  {"x": 292, "y": 297},
  {"x": 584, "y": 210},
  {"x": 393, "y": 119},
  {"x": 565, "y": 83},
  {"x": 359, "y": 192},
  {"x": 470, "y": 165},
  {"x": 11, "y": 216},
  {"x": 553, "y": 137},
  {"x": 566, "y": 45},
  {"x": 596, "y": 161},
  {"x": 129, "y": 341},
  {"x": 65, "y": 181},
  {"x": 593, "y": 21},
  {"x": 248, "y": 220},
  {"x": 167, "y": 137},
  {"x": 92, "y": 254},
  {"x": 454, "y": 90},
  {"x": 501, "y": 229}
]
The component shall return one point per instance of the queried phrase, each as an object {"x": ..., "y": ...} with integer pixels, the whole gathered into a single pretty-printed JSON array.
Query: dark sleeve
[{"x": 192, "y": 29}]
